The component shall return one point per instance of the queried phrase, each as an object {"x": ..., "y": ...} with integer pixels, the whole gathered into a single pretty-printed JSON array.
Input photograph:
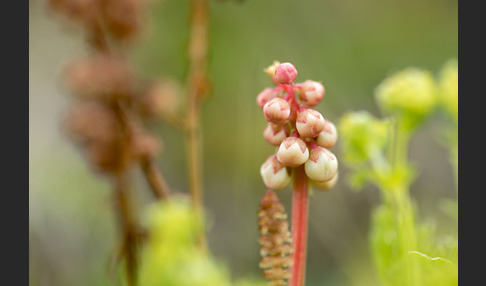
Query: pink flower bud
[
  {"x": 292, "y": 152},
  {"x": 310, "y": 123},
  {"x": 274, "y": 175},
  {"x": 322, "y": 164},
  {"x": 311, "y": 93},
  {"x": 265, "y": 95},
  {"x": 328, "y": 137},
  {"x": 285, "y": 73},
  {"x": 326, "y": 185},
  {"x": 277, "y": 111},
  {"x": 275, "y": 134}
]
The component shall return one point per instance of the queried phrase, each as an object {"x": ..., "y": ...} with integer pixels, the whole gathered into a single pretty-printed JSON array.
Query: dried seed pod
[
  {"x": 90, "y": 121},
  {"x": 275, "y": 240},
  {"x": 145, "y": 145},
  {"x": 99, "y": 76},
  {"x": 123, "y": 17},
  {"x": 161, "y": 99}
]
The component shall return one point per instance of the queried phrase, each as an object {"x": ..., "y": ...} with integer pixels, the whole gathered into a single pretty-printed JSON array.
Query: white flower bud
[
  {"x": 274, "y": 175},
  {"x": 326, "y": 185},
  {"x": 310, "y": 123},
  {"x": 275, "y": 134},
  {"x": 292, "y": 152},
  {"x": 311, "y": 93},
  {"x": 328, "y": 137},
  {"x": 265, "y": 95},
  {"x": 277, "y": 111},
  {"x": 322, "y": 164}
]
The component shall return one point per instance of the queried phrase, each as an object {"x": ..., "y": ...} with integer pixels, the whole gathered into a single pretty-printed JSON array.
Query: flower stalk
[
  {"x": 303, "y": 137},
  {"x": 299, "y": 226}
]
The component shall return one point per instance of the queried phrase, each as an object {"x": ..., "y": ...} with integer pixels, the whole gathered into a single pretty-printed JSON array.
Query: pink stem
[{"x": 299, "y": 226}]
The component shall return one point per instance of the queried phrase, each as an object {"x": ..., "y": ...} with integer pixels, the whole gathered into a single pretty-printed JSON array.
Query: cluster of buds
[{"x": 301, "y": 133}]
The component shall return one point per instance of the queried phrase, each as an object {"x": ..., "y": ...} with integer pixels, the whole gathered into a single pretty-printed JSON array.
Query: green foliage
[
  {"x": 405, "y": 251},
  {"x": 449, "y": 88},
  {"x": 449, "y": 101},
  {"x": 363, "y": 135},
  {"x": 409, "y": 94},
  {"x": 171, "y": 256}
]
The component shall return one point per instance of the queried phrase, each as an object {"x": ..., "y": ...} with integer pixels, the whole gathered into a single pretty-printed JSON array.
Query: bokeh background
[{"x": 349, "y": 45}]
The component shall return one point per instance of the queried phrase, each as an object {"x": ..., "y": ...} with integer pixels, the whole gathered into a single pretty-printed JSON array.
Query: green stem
[{"x": 399, "y": 198}]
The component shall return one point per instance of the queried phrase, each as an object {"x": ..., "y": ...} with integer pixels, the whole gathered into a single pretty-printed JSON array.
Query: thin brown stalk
[
  {"x": 129, "y": 228},
  {"x": 197, "y": 86},
  {"x": 156, "y": 180},
  {"x": 154, "y": 177}
]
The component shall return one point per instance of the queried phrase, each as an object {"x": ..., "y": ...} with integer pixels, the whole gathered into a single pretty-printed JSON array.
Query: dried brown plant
[
  {"x": 275, "y": 240},
  {"x": 111, "y": 102}
]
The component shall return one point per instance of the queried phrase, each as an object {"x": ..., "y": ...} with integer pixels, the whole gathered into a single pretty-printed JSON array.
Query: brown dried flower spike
[{"x": 275, "y": 240}]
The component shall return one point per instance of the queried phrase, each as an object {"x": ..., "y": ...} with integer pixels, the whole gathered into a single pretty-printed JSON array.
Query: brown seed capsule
[
  {"x": 275, "y": 240},
  {"x": 99, "y": 76},
  {"x": 161, "y": 99},
  {"x": 145, "y": 145},
  {"x": 90, "y": 120}
]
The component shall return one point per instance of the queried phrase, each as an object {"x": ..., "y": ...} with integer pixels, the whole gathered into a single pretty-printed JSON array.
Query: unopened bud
[
  {"x": 285, "y": 73},
  {"x": 326, "y": 185},
  {"x": 275, "y": 134},
  {"x": 322, "y": 164},
  {"x": 328, "y": 137},
  {"x": 311, "y": 93},
  {"x": 265, "y": 95},
  {"x": 274, "y": 174},
  {"x": 270, "y": 70},
  {"x": 292, "y": 152},
  {"x": 277, "y": 111},
  {"x": 310, "y": 123}
]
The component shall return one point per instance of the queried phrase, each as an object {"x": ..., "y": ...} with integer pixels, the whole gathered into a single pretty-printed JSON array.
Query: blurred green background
[{"x": 349, "y": 45}]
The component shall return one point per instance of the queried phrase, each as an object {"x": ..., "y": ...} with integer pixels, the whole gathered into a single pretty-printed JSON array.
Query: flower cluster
[{"x": 301, "y": 133}]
